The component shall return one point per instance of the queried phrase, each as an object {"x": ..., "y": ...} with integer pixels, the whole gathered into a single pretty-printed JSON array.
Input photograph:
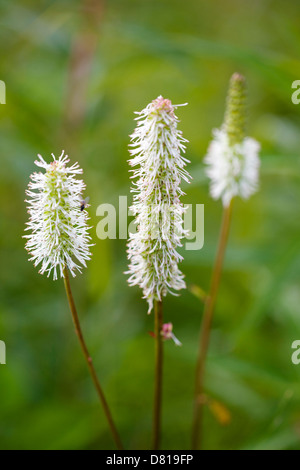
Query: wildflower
[
  {"x": 59, "y": 231},
  {"x": 156, "y": 150},
  {"x": 232, "y": 158}
]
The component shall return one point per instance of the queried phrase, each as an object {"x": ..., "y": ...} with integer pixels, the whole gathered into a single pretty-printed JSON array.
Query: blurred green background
[{"x": 75, "y": 72}]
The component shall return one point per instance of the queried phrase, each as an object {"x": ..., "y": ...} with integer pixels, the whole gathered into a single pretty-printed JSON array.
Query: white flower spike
[
  {"x": 157, "y": 145},
  {"x": 232, "y": 159},
  {"x": 59, "y": 230}
]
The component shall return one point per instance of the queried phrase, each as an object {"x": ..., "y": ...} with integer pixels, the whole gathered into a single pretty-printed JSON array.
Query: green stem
[
  {"x": 206, "y": 328},
  {"x": 158, "y": 323},
  {"x": 89, "y": 361}
]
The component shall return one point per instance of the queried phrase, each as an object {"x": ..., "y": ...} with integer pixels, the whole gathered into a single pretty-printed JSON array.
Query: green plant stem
[
  {"x": 89, "y": 361},
  {"x": 158, "y": 323},
  {"x": 199, "y": 400}
]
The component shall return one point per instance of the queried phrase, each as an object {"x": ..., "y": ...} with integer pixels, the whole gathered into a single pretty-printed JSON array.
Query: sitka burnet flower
[
  {"x": 159, "y": 167},
  {"x": 232, "y": 158},
  {"x": 59, "y": 235}
]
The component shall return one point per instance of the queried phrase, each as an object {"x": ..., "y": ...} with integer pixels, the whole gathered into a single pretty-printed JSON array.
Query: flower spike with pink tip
[{"x": 159, "y": 167}]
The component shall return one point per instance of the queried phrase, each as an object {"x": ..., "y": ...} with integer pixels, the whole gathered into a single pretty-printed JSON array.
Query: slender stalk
[
  {"x": 158, "y": 323},
  {"x": 83, "y": 49},
  {"x": 206, "y": 328},
  {"x": 89, "y": 361},
  {"x": 81, "y": 58}
]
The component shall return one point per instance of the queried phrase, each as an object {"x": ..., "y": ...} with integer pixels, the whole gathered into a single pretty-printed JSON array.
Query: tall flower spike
[
  {"x": 232, "y": 158},
  {"x": 152, "y": 251},
  {"x": 59, "y": 231}
]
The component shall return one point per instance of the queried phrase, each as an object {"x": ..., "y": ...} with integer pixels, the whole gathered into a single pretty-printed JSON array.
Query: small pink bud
[
  {"x": 167, "y": 333},
  {"x": 163, "y": 104}
]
